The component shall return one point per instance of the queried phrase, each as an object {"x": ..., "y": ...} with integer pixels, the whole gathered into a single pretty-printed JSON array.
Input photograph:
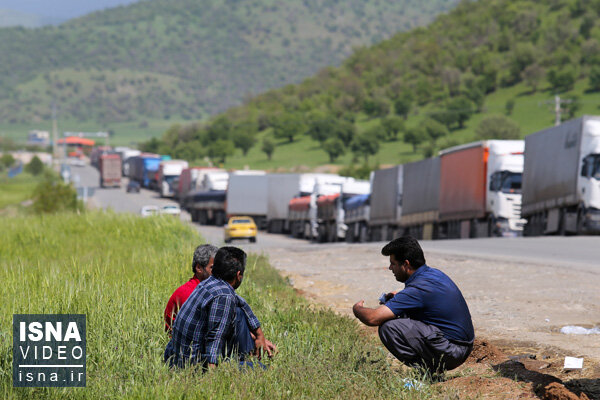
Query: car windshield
[
  {"x": 511, "y": 182},
  {"x": 170, "y": 207},
  {"x": 240, "y": 221}
]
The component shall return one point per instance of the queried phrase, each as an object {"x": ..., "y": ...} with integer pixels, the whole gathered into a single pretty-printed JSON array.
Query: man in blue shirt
[
  {"x": 214, "y": 322},
  {"x": 428, "y": 323}
]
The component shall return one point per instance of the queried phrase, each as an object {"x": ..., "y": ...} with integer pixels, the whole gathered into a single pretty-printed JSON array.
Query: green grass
[
  {"x": 15, "y": 190},
  {"x": 120, "y": 271}
]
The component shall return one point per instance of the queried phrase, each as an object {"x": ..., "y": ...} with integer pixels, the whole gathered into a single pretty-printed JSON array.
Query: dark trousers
[
  {"x": 417, "y": 344},
  {"x": 241, "y": 342}
]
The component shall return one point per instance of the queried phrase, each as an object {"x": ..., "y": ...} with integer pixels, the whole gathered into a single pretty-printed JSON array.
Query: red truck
[{"x": 110, "y": 170}]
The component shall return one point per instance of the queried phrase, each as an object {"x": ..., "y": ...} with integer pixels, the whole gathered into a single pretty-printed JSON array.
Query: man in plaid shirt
[{"x": 214, "y": 322}]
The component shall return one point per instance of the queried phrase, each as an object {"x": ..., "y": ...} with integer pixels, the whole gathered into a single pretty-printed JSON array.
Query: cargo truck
[
  {"x": 109, "y": 166},
  {"x": 143, "y": 168},
  {"x": 168, "y": 172},
  {"x": 247, "y": 195},
  {"x": 356, "y": 217},
  {"x": 206, "y": 204},
  {"x": 386, "y": 200},
  {"x": 420, "y": 198},
  {"x": 331, "y": 225},
  {"x": 561, "y": 182},
  {"x": 282, "y": 189},
  {"x": 126, "y": 153},
  {"x": 480, "y": 189},
  {"x": 191, "y": 179}
]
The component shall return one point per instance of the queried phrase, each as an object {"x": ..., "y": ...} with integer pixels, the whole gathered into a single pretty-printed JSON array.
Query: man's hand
[
  {"x": 262, "y": 345},
  {"x": 388, "y": 297},
  {"x": 372, "y": 316}
]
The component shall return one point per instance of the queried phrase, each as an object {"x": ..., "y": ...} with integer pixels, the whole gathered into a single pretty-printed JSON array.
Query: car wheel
[{"x": 253, "y": 240}]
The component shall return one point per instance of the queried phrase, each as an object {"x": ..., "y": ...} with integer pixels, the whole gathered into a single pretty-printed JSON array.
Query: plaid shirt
[{"x": 206, "y": 322}]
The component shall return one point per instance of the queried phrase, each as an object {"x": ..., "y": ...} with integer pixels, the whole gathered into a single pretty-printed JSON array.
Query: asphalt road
[{"x": 579, "y": 253}]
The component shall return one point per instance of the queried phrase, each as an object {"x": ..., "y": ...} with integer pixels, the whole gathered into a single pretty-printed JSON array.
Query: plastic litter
[
  {"x": 579, "y": 330},
  {"x": 573, "y": 363},
  {"x": 412, "y": 384}
]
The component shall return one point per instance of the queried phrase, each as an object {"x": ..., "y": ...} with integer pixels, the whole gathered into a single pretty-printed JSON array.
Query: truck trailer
[
  {"x": 480, "y": 189},
  {"x": 386, "y": 203},
  {"x": 191, "y": 179},
  {"x": 143, "y": 168},
  {"x": 561, "y": 182},
  {"x": 420, "y": 198},
  {"x": 109, "y": 166},
  {"x": 356, "y": 217},
  {"x": 247, "y": 195},
  {"x": 168, "y": 173},
  {"x": 206, "y": 204}
]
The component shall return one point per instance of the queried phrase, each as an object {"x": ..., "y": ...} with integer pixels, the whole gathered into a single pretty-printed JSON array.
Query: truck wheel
[
  {"x": 350, "y": 234},
  {"x": 252, "y": 240},
  {"x": 562, "y": 222},
  {"x": 201, "y": 217},
  {"x": 580, "y": 222}
]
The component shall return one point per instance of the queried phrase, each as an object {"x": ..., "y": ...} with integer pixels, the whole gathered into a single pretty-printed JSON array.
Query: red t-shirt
[{"x": 177, "y": 299}]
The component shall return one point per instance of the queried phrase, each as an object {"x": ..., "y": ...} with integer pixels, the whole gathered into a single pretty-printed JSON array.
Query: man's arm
[{"x": 372, "y": 316}]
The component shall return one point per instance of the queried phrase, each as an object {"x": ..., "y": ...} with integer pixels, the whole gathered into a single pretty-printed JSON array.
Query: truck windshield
[
  {"x": 596, "y": 167},
  {"x": 511, "y": 182}
]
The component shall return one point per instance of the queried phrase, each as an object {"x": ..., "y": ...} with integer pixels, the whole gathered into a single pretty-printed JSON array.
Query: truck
[
  {"x": 330, "y": 211},
  {"x": 126, "y": 153},
  {"x": 143, "y": 168},
  {"x": 302, "y": 219},
  {"x": 96, "y": 153},
  {"x": 247, "y": 195},
  {"x": 109, "y": 166},
  {"x": 561, "y": 181},
  {"x": 190, "y": 180},
  {"x": 420, "y": 198},
  {"x": 386, "y": 198},
  {"x": 168, "y": 172},
  {"x": 206, "y": 204},
  {"x": 282, "y": 189},
  {"x": 480, "y": 189},
  {"x": 356, "y": 217}
]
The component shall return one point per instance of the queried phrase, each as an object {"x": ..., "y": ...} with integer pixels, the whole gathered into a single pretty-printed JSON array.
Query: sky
[{"x": 60, "y": 9}]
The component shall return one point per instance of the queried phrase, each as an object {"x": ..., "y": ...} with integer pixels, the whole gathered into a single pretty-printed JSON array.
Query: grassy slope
[
  {"x": 210, "y": 56},
  {"x": 120, "y": 271},
  {"x": 17, "y": 189}
]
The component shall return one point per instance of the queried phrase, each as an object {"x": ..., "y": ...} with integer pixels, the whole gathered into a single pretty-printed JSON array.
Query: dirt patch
[{"x": 493, "y": 372}]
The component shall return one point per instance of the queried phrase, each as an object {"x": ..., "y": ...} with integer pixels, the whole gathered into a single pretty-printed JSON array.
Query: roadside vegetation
[
  {"x": 418, "y": 92},
  {"x": 120, "y": 270}
]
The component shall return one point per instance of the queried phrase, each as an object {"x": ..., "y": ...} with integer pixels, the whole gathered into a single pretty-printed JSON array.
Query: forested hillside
[
  {"x": 185, "y": 59},
  {"x": 485, "y": 70}
]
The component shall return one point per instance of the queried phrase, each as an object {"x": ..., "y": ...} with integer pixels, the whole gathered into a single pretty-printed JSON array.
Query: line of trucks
[{"x": 547, "y": 184}]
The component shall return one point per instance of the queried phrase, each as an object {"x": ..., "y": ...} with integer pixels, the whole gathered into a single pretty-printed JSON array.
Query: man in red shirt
[{"x": 202, "y": 262}]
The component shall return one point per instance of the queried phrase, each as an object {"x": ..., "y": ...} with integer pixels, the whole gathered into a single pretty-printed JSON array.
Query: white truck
[
  {"x": 247, "y": 195},
  {"x": 561, "y": 182},
  {"x": 168, "y": 176}
]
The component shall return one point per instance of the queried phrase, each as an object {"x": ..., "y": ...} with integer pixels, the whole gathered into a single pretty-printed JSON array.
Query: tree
[
  {"x": 243, "y": 141},
  {"x": 35, "y": 166},
  {"x": 462, "y": 108},
  {"x": 321, "y": 127},
  {"x": 7, "y": 160},
  {"x": 414, "y": 137},
  {"x": 345, "y": 131},
  {"x": 562, "y": 79},
  {"x": 364, "y": 146},
  {"x": 334, "y": 147},
  {"x": 402, "y": 105},
  {"x": 288, "y": 126},
  {"x": 392, "y": 125},
  {"x": 532, "y": 76},
  {"x": 52, "y": 195},
  {"x": 268, "y": 147},
  {"x": 509, "y": 106},
  {"x": 219, "y": 129},
  {"x": 595, "y": 79},
  {"x": 497, "y": 127},
  {"x": 434, "y": 129},
  {"x": 572, "y": 107},
  {"x": 376, "y": 107},
  {"x": 221, "y": 149},
  {"x": 376, "y": 132}
]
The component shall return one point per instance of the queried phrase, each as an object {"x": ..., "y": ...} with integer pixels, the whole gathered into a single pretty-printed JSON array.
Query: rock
[{"x": 556, "y": 391}]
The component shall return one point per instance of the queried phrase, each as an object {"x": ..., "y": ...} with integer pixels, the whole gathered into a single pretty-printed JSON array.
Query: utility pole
[
  {"x": 558, "y": 102},
  {"x": 54, "y": 131}
]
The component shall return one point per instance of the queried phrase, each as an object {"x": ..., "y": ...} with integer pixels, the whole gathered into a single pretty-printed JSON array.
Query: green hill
[
  {"x": 163, "y": 60},
  {"x": 437, "y": 84}
]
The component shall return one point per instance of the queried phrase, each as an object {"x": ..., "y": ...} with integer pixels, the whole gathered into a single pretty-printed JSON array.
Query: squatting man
[{"x": 427, "y": 324}]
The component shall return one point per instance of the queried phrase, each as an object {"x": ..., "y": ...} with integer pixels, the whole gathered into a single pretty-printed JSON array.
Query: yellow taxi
[{"x": 240, "y": 228}]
